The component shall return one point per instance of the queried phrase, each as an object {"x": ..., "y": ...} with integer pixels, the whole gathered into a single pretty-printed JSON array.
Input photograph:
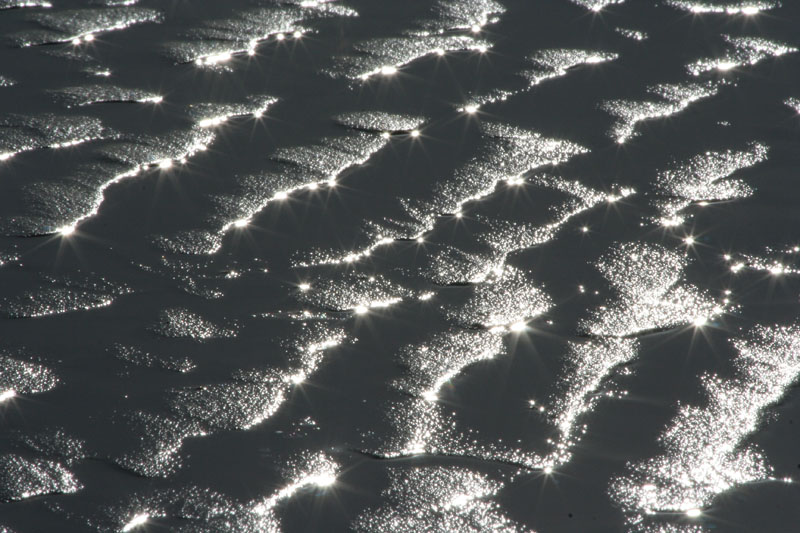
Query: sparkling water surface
[{"x": 393, "y": 266}]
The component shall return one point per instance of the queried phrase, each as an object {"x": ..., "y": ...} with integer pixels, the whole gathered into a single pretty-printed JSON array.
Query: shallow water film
[{"x": 394, "y": 266}]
